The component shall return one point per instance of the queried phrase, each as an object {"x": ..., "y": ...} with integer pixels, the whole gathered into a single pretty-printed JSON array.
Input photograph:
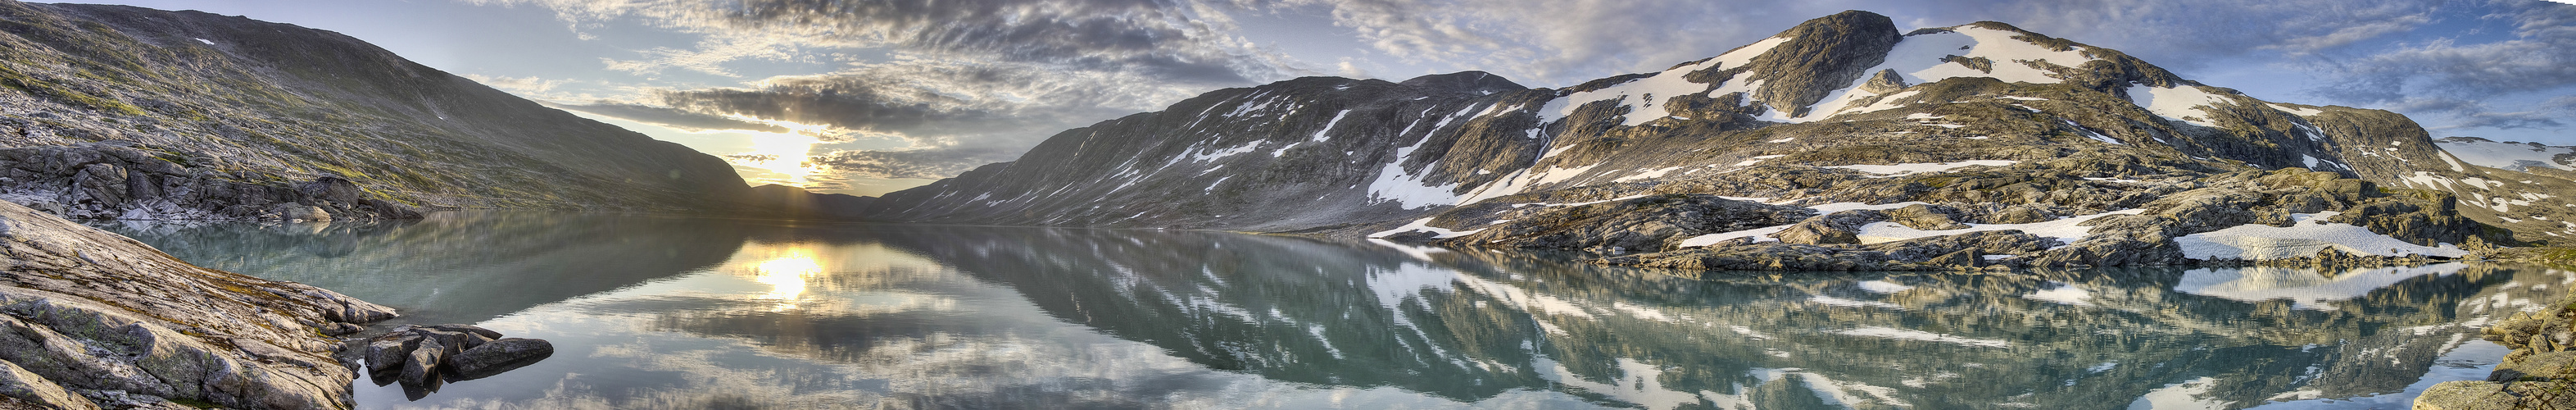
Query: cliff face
[
  {"x": 93, "y": 319},
  {"x": 199, "y": 99},
  {"x": 1993, "y": 124}
]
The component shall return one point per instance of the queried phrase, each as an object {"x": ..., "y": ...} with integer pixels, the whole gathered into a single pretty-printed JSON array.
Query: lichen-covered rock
[
  {"x": 2207, "y": 209},
  {"x": 92, "y": 311},
  {"x": 1928, "y": 217},
  {"x": 1835, "y": 228},
  {"x": 29, "y": 388},
  {"x": 2019, "y": 214}
]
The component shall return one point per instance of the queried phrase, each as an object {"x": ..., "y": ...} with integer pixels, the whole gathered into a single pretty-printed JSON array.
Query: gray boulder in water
[
  {"x": 498, "y": 356},
  {"x": 424, "y": 358}
]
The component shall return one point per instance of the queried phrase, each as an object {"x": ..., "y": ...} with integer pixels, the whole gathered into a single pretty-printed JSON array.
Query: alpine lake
[{"x": 685, "y": 313}]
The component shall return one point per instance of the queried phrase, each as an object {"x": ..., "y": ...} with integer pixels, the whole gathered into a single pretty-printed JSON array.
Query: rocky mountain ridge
[
  {"x": 2096, "y": 156},
  {"x": 125, "y": 112}
]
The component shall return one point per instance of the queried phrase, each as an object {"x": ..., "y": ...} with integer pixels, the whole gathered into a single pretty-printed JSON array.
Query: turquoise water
[{"x": 661, "y": 312}]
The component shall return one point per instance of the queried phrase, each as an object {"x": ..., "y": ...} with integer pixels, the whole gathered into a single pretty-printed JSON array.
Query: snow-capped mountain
[{"x": 1984, "y": 124}]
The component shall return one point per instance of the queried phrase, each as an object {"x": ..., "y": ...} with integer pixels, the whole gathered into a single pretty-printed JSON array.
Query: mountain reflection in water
[{"x": 658, "y": 312}]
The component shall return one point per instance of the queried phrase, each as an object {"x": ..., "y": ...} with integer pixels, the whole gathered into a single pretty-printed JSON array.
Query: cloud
[
  {"x": 1168, "y": 40},
  {"x": 981, "y": 80},
  {"x": 2450, "y": 78},
  {"x": 952, "y": 115},
  {"x": 669, "y": 117},
  {"x": 522, "y": 85},
  {"x": 926, "y": 163}
]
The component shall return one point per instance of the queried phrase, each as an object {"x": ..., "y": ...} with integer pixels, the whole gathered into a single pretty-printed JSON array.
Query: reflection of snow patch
[
  {"x": 2064, "y": 293},
  {"x": 2305, "y": 238},
  {"x": 1880, "y": 286},
  {"x": 2187, "y": 395},
  {"x": 2306, "y": 288},
  {"x": 1911, "y": 334},
  {"x": 1835, "y": 301}
]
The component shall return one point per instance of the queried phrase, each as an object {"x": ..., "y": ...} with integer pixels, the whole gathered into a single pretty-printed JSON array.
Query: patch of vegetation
[{"x": 23, "y": 82}]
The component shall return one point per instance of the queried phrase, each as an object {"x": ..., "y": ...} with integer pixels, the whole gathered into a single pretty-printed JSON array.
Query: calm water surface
[{"x": 657, "y": 312}]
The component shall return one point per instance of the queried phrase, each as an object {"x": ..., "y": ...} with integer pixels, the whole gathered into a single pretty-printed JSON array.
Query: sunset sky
[{"x": 892, "y": 94}]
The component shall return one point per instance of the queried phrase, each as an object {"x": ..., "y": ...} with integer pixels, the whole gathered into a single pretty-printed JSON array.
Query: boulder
[
  {"x": 1837, "y": 228},
  {"x": 1885, "y": 82},
  {"x": 386, "y": 355},
  {"x": 487, "y": 333},
  {"x": 2018, "y": 214},
  {"x": 1928, "y": 217},
  {"x": 1965, "y": 258},
  {"x": 2207, "y": 209},
  {"x": 498, "y": 356},
  {"x": 426, "y": 357},
  {"x": 420, "y": 368}
]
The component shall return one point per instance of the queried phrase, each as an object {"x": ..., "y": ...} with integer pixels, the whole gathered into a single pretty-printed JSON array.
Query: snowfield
[
  {"x": 2309, "y": 235},
  {"x": 2302, "y": 286},
  {"x": 2506, "y": 155},
  {"x": 2064, "y": 229},
  {"x": 2178, "y": 103},
  {"x": 1924, "y": 167}
]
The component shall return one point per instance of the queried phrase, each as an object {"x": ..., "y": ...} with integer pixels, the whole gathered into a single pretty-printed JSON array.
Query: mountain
[
  {"x": 124, "y": 112},
  {"x": 1886, "y": 139},
  {"x": 789, "y": 202}
]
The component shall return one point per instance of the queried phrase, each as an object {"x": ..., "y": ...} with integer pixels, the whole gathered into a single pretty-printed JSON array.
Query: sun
[{"x": 786, "y": 153}]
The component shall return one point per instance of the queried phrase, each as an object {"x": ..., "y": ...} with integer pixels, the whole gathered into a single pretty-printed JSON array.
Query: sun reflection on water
[{"x": 786, "y": 274}]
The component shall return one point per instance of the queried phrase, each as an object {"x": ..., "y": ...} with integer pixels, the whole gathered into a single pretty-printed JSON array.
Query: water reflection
[{"x": 681, "y": 313}]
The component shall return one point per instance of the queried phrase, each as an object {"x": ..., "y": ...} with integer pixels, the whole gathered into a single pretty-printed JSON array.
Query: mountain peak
[
  {"x": 1466, "y": 81},
  {"x": 1822, "y": 55}
]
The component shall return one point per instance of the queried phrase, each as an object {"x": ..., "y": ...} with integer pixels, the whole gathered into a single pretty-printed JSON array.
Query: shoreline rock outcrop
[
  {"x": 89, "y": 319},
  {"x": 424, "y": 358},
  {"x": 2540, "y": 373}
]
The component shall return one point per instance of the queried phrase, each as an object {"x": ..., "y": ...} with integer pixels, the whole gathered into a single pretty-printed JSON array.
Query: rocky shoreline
[
  {"x": 2540, "y": 372},
  {"x": 96, "y": 320},
  {"x": 115, "y": 180}
]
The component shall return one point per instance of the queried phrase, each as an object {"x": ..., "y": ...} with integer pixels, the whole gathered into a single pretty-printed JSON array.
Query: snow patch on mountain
[
  {"x": 1644, "y": 96},
  {"x": 1931, "y": 57},
  {"x": 2506, "y": 155},
  {"x": 2068, "y": 230},
  {"x": 2178, "y": 103},
  {"x": 1894, "y": 169}
]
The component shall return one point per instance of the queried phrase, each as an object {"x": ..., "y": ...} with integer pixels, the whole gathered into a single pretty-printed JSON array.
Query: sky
[{"x": 869, "y": 96}]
